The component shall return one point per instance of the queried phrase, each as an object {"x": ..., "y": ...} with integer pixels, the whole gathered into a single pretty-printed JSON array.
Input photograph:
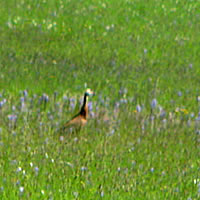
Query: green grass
[{"x": 129, "y": 53}]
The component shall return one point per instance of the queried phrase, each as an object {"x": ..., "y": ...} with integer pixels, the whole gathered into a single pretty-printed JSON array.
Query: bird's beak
[{"x": 92, "y": 93}]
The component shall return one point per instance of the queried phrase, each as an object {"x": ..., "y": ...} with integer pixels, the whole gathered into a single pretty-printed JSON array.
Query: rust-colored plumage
[{"x": 80, "y": 119}]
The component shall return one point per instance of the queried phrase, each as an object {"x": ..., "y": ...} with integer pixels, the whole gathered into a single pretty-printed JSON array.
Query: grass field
[{"x": 141, "y": 58}]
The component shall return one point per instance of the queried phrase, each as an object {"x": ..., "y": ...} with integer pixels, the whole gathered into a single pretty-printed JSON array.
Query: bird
[{"x": 80, "y": 119}]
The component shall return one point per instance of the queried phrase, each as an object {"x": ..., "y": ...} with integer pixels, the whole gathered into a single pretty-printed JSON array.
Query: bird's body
[{"x": 80, "y": 119}]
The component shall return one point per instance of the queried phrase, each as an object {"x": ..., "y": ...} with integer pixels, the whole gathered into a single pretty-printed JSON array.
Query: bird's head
[{"x": 89, "y": 92}]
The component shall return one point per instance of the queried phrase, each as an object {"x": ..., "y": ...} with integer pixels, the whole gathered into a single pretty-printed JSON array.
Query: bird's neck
[{"x": 84, "y": 108}]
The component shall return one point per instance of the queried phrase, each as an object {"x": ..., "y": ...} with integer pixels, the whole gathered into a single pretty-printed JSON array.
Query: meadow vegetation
[{"x": 141, "y": 58}]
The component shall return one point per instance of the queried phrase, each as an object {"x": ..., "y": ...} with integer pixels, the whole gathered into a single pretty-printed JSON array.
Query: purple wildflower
[
  {"x": 65, "y": 98},
  {"x": 12, "y": 117},
  {"x": 45, "y": 97},
  {"x": 152, "y": 169},
  {"x": 25, "y": 93},
  {"x": 190, "y": 65},
  {"x": 179, "y": 93},
  {"x": 198, "y": 118},
  {"x": 72, "y": 103},
  {"x": 138, "y": 108},
  {"x": 2, "y": 103},
  {"x": 90, "y": 106},
  {"x": 36, "y": 169},
  {"x": 83, "y": 169},
  {"x": 22, "y": 99},
  {"x": 145, "y": 51},
  {"x": 154, "y": 103}
]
